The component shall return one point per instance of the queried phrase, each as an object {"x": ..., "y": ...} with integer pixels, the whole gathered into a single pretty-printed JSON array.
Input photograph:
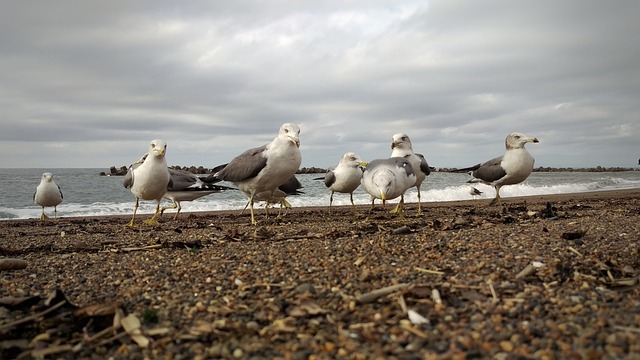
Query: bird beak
[
  {"x": 363, "y": 163},
  {"x": 534, "y": 140},
  {"x": 383, "y": 196},
  {"x": 393, "y": 145},
  {"x": 295, "y": 140},
  {"x": 160, "y": 151}
]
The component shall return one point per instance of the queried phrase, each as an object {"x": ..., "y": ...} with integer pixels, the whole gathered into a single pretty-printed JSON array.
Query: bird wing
[
  {"x": 490, "y": 171},
  {"x": 182, "y": 179},
  {"x": 424, "y": 167},
  {"x": 127, "y": 182},
  {"x": 329, "y": 178},
  {"x": 244, "y": 166},
  {"x": 59, "y": 189},
  {"x": 291, "y": 186}
]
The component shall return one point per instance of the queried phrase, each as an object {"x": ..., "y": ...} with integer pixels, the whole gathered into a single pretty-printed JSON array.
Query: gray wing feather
[
  {"x": 291, "y": 186},
  {"x": 244, "y": 166},
  {"x": 182, "y": 179},
  {"x": 424, "y": 167},
  {"x": 329, "y": 178},
  {"x": 490, "y": 171}
]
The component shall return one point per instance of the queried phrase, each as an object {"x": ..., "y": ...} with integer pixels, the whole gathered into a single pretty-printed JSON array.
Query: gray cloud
[{"x": 89, "y": 84}]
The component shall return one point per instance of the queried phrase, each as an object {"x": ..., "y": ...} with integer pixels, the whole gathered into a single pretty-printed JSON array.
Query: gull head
[
  {"x": 48, "y": 177},
  {"x": 518, "y": 140},
  {"x": 157, "y": 148},
  {"x": 352, "y": 160},
  {"x": 401, "y": 140},
  {"x": 290, "y": 132}
]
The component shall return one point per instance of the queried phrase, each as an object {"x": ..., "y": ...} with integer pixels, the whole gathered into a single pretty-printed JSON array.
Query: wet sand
[{"x": 544, "y": 276}]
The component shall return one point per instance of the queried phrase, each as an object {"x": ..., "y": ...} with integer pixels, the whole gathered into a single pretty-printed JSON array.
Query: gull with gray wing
[
  {"x": 149, "y": 179},
  {"x": 401, "y": 147},
  {"x": 386, "y": 179},
  {"x": 346, "y": 177},
  {"x": 266, "y": 167},
  {"x": 48, "y": 194},
  {"x": 509, "y": 169}
]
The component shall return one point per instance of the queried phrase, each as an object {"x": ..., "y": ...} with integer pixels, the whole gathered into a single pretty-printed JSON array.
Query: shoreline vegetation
[{"x": 122, "y": 170}]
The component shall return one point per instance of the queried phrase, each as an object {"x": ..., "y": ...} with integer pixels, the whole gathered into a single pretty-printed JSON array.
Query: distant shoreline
[{"x": 121, "y": 171}]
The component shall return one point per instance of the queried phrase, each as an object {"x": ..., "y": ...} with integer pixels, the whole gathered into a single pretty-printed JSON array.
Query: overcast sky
[{"x": 89, "y": 84}]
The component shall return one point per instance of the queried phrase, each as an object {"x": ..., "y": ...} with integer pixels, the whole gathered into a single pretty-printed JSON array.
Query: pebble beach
[{"x": 545, "y": 277}]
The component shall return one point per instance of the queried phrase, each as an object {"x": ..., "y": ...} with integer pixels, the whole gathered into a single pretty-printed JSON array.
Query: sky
[{"x": 89, "y": 84}]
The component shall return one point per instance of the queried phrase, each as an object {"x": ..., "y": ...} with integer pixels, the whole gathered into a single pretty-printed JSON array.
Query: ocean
[{"x": 87, "y": 193}]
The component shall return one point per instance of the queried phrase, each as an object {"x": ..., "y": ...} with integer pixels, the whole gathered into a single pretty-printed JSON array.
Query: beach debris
[
  {"x": 550, "y": 212},
  {"x": 529, "y": 269},
  {"x": 403, "y": 230},
  {"x": 378, "y": 293},
  {"x": 12, "y": 264},
  {"x": 416, "y": 318},
  {"x": 574, "y": 235}
]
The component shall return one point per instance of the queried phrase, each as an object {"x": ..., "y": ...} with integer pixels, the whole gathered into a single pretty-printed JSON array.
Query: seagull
[
  {"x": 290, "y": 187},
  {"x": 511, "y": 168},
  {"x": 401, "y": 147},
  {"x": 48, "y": 193},
  {"x": 346, "y": 177},
  {"x": 387, "y": 179},
  {"x": 474, "y": 192},
  {"x": 149, "y": 178},
  {"x": 266, "y": 167},
  {"x": 188, "y": 186}
]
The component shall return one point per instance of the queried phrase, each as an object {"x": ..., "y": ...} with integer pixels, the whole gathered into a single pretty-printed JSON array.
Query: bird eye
[
  {"x": 286, "y": 130},
  {"x": 153, "y": 145}
]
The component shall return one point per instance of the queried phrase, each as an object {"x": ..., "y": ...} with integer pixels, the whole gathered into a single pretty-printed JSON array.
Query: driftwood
[
  {"x": 378, "y": 293},
  {"x": 12, "y": 264}
]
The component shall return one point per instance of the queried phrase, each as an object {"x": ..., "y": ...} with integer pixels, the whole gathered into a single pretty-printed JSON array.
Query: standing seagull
[
  {"x": 474, "y": 192},
  {"x": 48, "y": 193},
  {"x": 149, "y": 178},
  {"x": 511, "y": 168},
  {"x": 401, "y": 147},
  {"x": 188, "y": 186},
  {"x": 346, "y": 177},
  {"x": 387, "y": 179},
  {"x": 266, "y": 167}
]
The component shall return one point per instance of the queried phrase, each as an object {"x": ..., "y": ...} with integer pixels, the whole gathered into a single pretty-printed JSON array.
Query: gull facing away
[
  {"x": 401, "y": 147},
  {"x": 266, "y": 167},
  {"x": 47, "y": 194},
  {"x": 387, "y": 179},
  {"x": 188, "y": 186},
  {"x": 149, "y": 178},
  {"x": 509, "y": 169},
  {"x": 346, "y": 177}
]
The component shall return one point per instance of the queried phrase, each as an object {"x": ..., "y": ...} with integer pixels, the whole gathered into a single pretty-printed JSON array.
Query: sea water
[{"x": 87, "y": 193}]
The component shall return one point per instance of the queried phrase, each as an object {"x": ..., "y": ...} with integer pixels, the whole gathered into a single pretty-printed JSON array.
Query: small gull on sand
[
  {"x": 149, "y": 178},
  {"x": 474, "y": 192},
  {"x": 511, "y": 168},
  {"x": 346, "y": 177},
  {"x": 387, "y": 179},
  {"x": 47, "y": 194},
  {"x": 188, "y": 186},
  {"x": 266, "y": 167},
  {"x": 401, "y": 147}
]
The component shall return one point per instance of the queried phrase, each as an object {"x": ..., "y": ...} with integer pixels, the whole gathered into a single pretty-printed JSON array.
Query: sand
[{"x": 543, "y": 277}]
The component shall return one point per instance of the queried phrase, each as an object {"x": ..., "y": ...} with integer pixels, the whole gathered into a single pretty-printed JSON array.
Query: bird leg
[
  {"x": 175, "y": 205},
  {"x": 132, "y": 223},
  {"x": 43, "y": 217},
  {"x": 496, "y": 200},
  {"x": 253, "y": 220},
  {"x": 154, "y": 219},
  {"x": 399, "y": 207},
  {"x": 330, "y": 201},
  {"x": 55, "y": 212},
  {"x": 177, "y": 212},
  {"x": 419, "y": 204}
]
